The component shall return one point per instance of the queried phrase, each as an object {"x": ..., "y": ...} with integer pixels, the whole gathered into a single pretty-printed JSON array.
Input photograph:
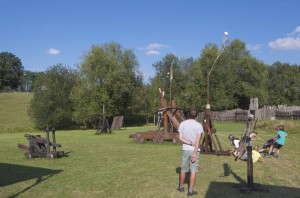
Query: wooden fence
[{"x": 280, "y": 113}]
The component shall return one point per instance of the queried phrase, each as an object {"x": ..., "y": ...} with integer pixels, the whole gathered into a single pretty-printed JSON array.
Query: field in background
[{"x": 13, "y": 112}]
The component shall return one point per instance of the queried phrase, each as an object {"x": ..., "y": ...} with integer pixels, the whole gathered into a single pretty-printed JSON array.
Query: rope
[{"x": 224, "y": 142}]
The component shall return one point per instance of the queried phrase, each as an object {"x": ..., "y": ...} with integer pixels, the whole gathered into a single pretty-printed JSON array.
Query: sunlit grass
[
  {"x": 112, "y": 165},
  {"x": 115, "y": 166}
]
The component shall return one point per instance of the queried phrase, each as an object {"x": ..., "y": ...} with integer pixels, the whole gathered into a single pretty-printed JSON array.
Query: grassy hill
[{"x": 13, "y": 112}]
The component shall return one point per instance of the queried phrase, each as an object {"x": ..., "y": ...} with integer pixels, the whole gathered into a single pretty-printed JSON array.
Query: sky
[{"x": 46, "y": 33}]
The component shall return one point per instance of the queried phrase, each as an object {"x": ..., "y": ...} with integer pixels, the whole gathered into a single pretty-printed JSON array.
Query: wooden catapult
[
  {"x": 169, "y": 118},
  {"x": 210, "y": 143},
  {"x": 41, "y": 147}
]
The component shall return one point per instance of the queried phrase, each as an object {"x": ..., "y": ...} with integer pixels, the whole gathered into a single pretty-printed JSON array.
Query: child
[
  {"x": 280, "y": 140},
  {"x": 235, "y": 142},
  {"x": 256, "y": 157},
  {"x": 267, "y": 146}
]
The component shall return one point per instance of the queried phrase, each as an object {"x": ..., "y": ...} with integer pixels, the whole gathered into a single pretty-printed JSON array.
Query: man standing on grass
[{"x": 190, "y": 134}]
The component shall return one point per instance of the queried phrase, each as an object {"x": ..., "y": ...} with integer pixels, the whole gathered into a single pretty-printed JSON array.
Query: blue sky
[{"x": 44, "y": 33}]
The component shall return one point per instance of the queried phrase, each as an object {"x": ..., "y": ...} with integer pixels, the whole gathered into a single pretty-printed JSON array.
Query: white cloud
[
  {"x": 297, "y": 30},
  {"x": 286, "y": 43},
  {"x": 153, "y": 49},
  {"x": 155, "y": 46},
  {"x": 254, "y": 47},
  {"x": 152, "y": 52},
  {"x": 53, "y": 51}
]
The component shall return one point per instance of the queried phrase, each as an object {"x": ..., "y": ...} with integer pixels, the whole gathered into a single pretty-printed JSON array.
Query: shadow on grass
[
  {"x": 11, "y": 174},
  {"x": 227, "y": 189},
  {"x": 187, "y": 176}
]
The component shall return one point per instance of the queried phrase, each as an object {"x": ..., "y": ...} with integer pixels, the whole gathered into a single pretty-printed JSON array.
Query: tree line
[{"x": 110, "y": 76}]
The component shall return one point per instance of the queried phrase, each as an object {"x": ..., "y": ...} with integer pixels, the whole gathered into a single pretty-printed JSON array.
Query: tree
[
  {"x": 28, "y": 79},
  {"x": 109, "y": 76},
  {"x": 175, "y": 76},
  {"x": 11, "y": 71},
  {"x": 284, "y": 84},
  {"x": 236, "y": 77},
  {"x": 51, "y": 105}
]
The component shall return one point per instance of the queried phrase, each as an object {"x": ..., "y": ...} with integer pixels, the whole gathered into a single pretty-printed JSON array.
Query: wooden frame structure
[
  {"x": 210, "y": 143},
  {"x": 41, "y": 147},
  {"x": 170, "y": 118}
]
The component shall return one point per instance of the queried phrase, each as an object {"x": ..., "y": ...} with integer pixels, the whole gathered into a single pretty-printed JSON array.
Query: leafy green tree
[
  {"x": 236, "y": 76},
  {"x": 284, "y": 84},
  {"x": 175, "y": 76},
  {"x": 28, "y": 79},
  {"x": 194, "y": 92},
  {"x": 11, "y": 71},
  {"x": 51, "y": 105},
  {"x": 109, "y": 76},
  {"x": 220, "y": 78}
]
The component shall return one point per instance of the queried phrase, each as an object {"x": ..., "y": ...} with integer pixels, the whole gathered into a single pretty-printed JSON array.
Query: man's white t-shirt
[{"x": 189, "y": 130}]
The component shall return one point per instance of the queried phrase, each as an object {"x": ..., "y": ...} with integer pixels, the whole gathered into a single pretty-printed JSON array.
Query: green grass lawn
[{"x": 115, "y": 166}]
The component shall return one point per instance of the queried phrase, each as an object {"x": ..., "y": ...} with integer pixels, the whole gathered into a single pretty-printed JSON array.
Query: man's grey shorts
[{"x": 186, "y": 161}]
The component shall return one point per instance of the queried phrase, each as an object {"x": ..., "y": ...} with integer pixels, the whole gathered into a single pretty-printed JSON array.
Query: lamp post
[{"x": 208, "y": 74}]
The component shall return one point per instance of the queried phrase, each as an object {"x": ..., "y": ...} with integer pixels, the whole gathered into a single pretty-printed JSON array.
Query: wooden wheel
[
  {"x": 158, "y": 138},
  {"x": 139, "y": 138}
]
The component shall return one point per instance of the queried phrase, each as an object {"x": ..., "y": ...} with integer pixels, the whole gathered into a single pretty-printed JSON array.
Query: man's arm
[
  {"x": 185, "y": 141},
  {"x": 196, "y": 147}
]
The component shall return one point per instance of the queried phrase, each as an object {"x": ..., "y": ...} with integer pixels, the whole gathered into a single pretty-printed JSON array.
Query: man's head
[{"x": 193, "y": 113}]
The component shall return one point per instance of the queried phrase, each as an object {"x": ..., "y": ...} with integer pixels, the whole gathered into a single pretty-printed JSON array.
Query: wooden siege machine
[
  {"x": 41, "y": 147},
  {"x": 210, "y": 143},
  {"x": 169, "y": 117}
]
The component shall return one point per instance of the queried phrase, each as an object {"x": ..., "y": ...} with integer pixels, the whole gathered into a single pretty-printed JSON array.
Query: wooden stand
[
  {"x": 211, "y": 143},
  {"x": 250, "y": 185}
]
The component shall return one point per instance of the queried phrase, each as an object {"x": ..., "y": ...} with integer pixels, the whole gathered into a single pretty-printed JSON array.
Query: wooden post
[
  {"x": 53, "y": 138},
  {"x": 48, "y": 142},
  {"x": 166, "y": 122},
  {"x": 249, "y": 167}
]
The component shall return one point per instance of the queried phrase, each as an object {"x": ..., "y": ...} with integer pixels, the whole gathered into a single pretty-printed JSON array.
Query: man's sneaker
[
  {"x": 180, "y": 189},
  {"x": 192, "y": 193},
  {"x": 275, "y": 155},
  {"x": 267, "y": 155}
]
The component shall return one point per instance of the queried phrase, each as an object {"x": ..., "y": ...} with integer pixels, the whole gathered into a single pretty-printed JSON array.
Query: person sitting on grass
[
  {"x": 256, "y": 156},
  {"x": 280, "y": 140}
]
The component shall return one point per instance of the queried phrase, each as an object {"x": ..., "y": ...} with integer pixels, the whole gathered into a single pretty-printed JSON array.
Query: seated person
[
  {"x": 256, "y": 157},
  {"x": 234, "y": 142}
]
